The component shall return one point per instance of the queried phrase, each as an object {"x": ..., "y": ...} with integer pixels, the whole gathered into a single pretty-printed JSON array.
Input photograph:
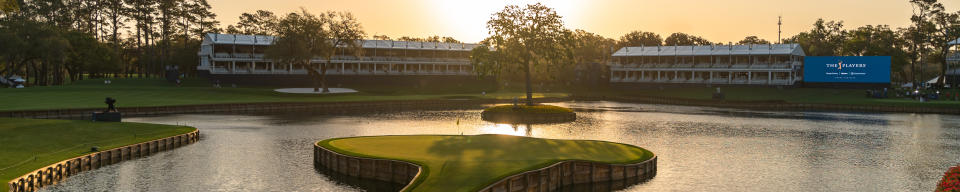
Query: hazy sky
[{"x": 716, "y": 20}]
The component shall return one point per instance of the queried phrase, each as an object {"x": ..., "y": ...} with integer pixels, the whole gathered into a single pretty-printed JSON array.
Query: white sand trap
[{"x": 310, "y": 90}]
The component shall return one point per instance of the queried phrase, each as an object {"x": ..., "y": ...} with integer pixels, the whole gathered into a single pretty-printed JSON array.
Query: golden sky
[{"x": 715, "y": 20}]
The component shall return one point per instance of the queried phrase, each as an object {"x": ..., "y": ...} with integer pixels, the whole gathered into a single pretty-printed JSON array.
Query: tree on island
[
  {"x": 528, "y": 38},
  {"x": 304, "y": 36}
]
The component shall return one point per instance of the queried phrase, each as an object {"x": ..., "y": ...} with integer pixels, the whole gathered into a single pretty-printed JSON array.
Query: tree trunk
[
  {"x": 323, "y": 76},
  {"x": 529, "y": 88}
]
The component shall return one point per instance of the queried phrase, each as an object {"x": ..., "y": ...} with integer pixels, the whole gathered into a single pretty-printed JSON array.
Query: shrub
[{"x": 950, "y": 181}]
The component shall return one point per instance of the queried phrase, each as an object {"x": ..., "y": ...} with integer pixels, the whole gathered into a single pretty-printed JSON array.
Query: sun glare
[{"x": 468, "y": 19}]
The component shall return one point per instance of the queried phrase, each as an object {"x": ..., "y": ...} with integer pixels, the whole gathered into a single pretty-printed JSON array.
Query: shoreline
[
  {"x": 353, "y": 106},
  {"x": 56, "y": 172},
  {"x": 774, "y": 105}
]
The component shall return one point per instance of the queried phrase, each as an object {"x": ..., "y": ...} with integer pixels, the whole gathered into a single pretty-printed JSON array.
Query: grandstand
[
  {"x": 777, "y": 64},
  {"x": 240, "y": 58}
]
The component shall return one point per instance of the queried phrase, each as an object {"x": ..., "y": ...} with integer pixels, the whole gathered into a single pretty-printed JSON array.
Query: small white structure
[
  {"x": 776, "y": 64},
  {"x": 310, "y": 90}
]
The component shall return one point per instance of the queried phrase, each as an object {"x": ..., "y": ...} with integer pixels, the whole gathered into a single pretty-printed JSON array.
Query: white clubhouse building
[
  {"x": 776, "y": 64},
  {"x": 228, "y": 54}
]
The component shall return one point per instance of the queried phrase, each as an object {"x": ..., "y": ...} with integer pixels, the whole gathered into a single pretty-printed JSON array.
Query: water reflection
[{"x": 699, "y": 148}]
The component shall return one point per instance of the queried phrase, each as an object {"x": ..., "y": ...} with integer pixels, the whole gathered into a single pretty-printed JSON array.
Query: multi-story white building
[
  {"x": 231, "y": 57},
  {"x": 953, "y": 63},
  {"x": 777, "y": 64}
]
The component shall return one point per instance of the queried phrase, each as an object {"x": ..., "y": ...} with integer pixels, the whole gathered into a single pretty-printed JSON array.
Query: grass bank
[
  {"x": 527, "y": 109},
  {"x": 29, "y": 144},
  {"x": 158, "y": 92},
  {"x": 469, "y": 163}
]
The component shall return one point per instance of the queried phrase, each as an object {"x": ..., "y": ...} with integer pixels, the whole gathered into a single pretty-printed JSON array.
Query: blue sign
[{"x": 850, "y": 69}]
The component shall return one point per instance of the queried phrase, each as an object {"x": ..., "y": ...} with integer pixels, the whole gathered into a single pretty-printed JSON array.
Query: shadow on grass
[{"x": 519, "y": 154}]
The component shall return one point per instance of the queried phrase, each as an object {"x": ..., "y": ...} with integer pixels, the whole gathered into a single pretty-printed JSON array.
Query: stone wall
[
  {"x": 568, "y": 173},
  {"x": 366, "y": 168},
  {"x": 330, "y": 107},
  {"x": 59, "y": 171}
]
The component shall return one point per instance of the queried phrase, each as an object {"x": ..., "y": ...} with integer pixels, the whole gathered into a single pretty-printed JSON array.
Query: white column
[
  {"x": 749, "y": 77},
  {"x": 729, "y": 77},
  {"x": 769, "y": 77},
  {"x": 233, "y": 67}
]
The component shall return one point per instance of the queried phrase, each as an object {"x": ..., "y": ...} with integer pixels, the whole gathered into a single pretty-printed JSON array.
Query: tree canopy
[
  {"x": 530, "y": 38},
  {"x": 752, "y": 40},
  {"x": 640, "y": 38},
  {"x": 681, "y": 39}
]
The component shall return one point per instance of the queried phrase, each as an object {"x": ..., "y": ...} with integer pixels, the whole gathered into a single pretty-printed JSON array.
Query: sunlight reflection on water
[{"x": 700, "y": 149}]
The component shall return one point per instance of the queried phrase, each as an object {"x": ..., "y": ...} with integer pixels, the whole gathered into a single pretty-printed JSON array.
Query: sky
[{"x": 715, "y": 20}]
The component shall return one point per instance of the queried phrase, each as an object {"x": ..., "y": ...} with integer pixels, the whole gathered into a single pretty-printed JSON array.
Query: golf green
[{"x": 469, "y": 163}]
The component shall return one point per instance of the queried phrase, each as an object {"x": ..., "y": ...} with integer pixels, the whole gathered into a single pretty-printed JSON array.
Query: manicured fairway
[
  {"x": 29, "y": 144},
  {"x": 157, "y": 92},
  {"x": 469, "y": 163}
]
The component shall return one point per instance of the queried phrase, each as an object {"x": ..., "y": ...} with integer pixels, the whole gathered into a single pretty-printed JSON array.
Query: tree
[
  {"x": 8, "y": 6},
  {"x": 681, "y": 39},
  {"x": 590, "y": 53},
  {"x": 935, "y": 28},
  {"x": 752, "y": 40},
  {"x": 381, "y": 37},
  {"x": 532, "y": 37},
  {"x": 259, "y": 23},
  {"x": 300, "y": 38},
  {"x": 879, "y": 40},
  {"x": 639, "y": 38},
  {"x": 343, "y": 31},
  {"x": 825, "y": 39},
  {"x": 434, "y": 38},
  {"x": 485, "y": 62}
]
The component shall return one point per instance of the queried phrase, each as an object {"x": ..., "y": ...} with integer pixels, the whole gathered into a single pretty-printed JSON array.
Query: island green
[{"x": 470, "y": 163}]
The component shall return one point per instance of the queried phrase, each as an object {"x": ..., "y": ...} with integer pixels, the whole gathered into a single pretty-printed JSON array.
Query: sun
[{"x": 467, "y": 20}]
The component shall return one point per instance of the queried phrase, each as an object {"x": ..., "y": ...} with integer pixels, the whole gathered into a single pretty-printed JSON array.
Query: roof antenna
[{"x": 779, "y": 28}]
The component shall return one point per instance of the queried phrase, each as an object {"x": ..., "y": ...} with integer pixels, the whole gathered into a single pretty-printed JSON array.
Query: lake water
[{"x": 699, "y": 149}]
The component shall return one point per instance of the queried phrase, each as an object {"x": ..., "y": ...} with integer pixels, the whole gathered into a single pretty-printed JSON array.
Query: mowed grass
[
  {"x": 521, "y": 108},
  {"x": 29, "y": 144},
  {"x": 469, "y": 163},
  {"x": 788, "y": 95},
  {"x": 158, "y": 92}
]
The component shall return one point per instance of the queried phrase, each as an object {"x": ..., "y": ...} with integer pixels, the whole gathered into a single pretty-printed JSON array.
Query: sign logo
[{"x": 851, "y": 69}]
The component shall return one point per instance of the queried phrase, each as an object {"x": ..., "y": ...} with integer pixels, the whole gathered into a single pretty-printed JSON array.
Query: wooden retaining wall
[
  {"x": 366, "y": 168},
  {"x": 568, "y": 173},
  {"x": 780, "y": 105},
  {"x": 53, "y": 174},
  {"x": 549, "y": 178},
  {"x": 527, "y": 118},
  {"x": 331, "y": 107}
]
